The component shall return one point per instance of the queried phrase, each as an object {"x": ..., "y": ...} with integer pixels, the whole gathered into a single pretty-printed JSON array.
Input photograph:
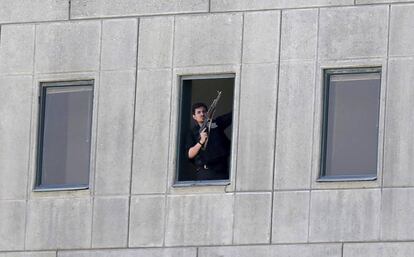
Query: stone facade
[{"x": 135, "y": 51}]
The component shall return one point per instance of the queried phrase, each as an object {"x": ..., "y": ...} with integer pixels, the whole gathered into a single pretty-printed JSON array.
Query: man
[{"x": 213, "y": 161}]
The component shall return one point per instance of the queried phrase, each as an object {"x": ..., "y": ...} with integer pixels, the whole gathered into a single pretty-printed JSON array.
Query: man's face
[{"x": 199, "y": 114}]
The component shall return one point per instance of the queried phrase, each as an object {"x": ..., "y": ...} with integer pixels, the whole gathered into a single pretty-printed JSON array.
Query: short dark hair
[{"x": 197, "y": 105}]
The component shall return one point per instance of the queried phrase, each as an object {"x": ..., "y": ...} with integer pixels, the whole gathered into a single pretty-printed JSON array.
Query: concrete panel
[
  {"x": 355, "y": 32},
  {"x": 147, "y": 221},
  {"x": 241, "y": 5},
  {"x": 235, "y": 251},
  {"x": 17, "y": 49},
  {"x": 109, "y": 8},
  {"x": 310, "y": 250},
  {"x": 199, "y": 220},
  {"x": 155, "y": 42},
  {"x": 12, "y": 225},
  {"x": 15, "y": 113},
  {"x": 119, "y": 44},
  {"x": 398, "y": 151},
  {"x": 166, "y": 252},
  {"x": 261, "y": 37},
  {"x": 33, "y": 10},
  {"x": 151, "y": 131},
  {"x": 345, "y": 215},
  {"x": 313, "y": 250},
  {"x": 28, "y": 254},
  {"x": 204, "y": 40},
  {"x": 252, "y": 218},
  {"x": 379, "y": 250},
  {"x": 257, "y": 127},
  {"x": 299, "y": 34},
  {"x": 69, "y": 46},
  {"x": 401, "y": 30},
  {"x": 295, "y": 125},
  {"x": 110, "y": 222},
  {"x": 397, "y": 222},
  {"x": 115, "y": 128},
  {"x": 381, "y": 1},
  {"x": 290, "y": 217},
  {"x": 59, "y": 223}
]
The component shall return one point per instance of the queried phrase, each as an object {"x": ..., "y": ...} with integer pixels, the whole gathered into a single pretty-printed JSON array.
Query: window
[
  {"x": 200, "y": 159},
  {"x": 350, "y": 124},
  {"x": 64, "y": 141}
]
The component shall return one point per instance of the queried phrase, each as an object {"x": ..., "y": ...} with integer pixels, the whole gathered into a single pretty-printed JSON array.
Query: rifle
[{"x": 209, "y": 119}]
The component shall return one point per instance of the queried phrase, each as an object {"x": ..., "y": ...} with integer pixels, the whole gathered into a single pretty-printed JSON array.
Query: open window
[
  {"x": 64, "y": 135},
  {"x": 350, "y": 137},
  {"x": 205, "y": 159}
]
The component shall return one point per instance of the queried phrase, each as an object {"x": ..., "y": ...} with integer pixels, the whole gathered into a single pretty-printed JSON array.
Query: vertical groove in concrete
[
  {"x": 275, "y": 138},
  {"x": 385, "y": 120},
  {"x": 170, "y": 122},
  {"x": 342, "y": 249},
  {"x": 133, "y": 133},
  {"x": 69, "y": 9},
  {"x": 96, "y": 135}
]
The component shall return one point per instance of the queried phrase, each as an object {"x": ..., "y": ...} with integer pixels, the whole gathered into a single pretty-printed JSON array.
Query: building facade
[{"x": 275, "y": 203}]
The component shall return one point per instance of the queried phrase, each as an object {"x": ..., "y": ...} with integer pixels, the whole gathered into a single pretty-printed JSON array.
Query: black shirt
[{"x": 218, "y": 146}]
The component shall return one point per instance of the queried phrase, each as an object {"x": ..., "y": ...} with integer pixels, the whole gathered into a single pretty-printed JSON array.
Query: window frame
[
  {"x": 40, "y": 136},
  {"x": 327, "y": 73},
  {"x": 190, "y": 183}
]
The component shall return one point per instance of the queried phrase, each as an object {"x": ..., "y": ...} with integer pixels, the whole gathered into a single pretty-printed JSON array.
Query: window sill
[
  {"x": 346, "y": 178},
  {"x": 201, "y": 183},
  {"x": 63, "y": 188}
]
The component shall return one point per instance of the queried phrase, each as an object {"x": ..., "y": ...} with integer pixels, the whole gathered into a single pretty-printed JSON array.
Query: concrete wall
[{"x": 135, "y": 50}]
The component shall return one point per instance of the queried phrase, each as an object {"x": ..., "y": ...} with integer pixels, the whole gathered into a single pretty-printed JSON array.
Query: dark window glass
[
  {"x": 212, "y": 162},
  {"x": 351, "y": 122},
  {"x": 65, "y": 135}
]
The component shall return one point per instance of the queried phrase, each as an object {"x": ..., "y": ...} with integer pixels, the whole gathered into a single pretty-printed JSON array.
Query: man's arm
[
  {"x": 225, "y": 120},
  {"x": 195, "y": 149}
]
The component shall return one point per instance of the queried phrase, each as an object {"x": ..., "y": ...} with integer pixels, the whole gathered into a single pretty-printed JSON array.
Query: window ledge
[
  {"x": 346, "y": 178},
  {"x": 202, "y": 183},
  {"x": 52, "y": 189}
]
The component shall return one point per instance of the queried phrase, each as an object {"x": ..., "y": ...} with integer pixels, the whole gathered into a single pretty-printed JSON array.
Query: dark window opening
[
  {"x": 351, "y": 124},
  {"x": 64, "y": 141},
  {"x": 201, "y": 158}
]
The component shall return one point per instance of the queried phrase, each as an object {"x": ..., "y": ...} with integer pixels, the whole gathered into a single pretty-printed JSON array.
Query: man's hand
[{"x": 203, "y": 136}]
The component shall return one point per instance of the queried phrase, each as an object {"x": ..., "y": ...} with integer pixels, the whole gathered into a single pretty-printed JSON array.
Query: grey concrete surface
[
  {"x": 252, "y": 218},
  {"x": 343, "y": 32},
  {"x": 29, "y": 254},
  {"x": 207, "y": 39},
  {"x": 293, "y": 156},
  {"x": 166, "y": 252},
  {"x": 381, "y": 1},
  {"x": 17, "y": 49},
  {"x": 290, "y": 217},
  {"x": 110, "y": 222},
  {"x": 150, "y": 146},
  {"x": 345, "y": 215},
  {"x": 59, "y": 223},
  {"x": 398, "y": 158},
  {"x": 299, "y": 34},
  {"x": 240, "y": 5},
  {"x": 67, "y": 47},
  {"x": 15, "y": 113},
  {"x": 12, "y": 11},
  {"x": 401, "y": 30},
  {"x": 257, "y": 127},
  {"x": 108, "y": 8},
  {"x": 397, "y": 249},
  {"x": 397, "y": 214},
  {"x": 261, "y": 37},
  {"x": 199, "y": 220},
  {"x": 12, "y": 225},
  {"x": 147, "y": 222},
  {"x": 119, "y": 44},
  {"x": 155, "y": 43},
  {"x": 115, "y": 130}
]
